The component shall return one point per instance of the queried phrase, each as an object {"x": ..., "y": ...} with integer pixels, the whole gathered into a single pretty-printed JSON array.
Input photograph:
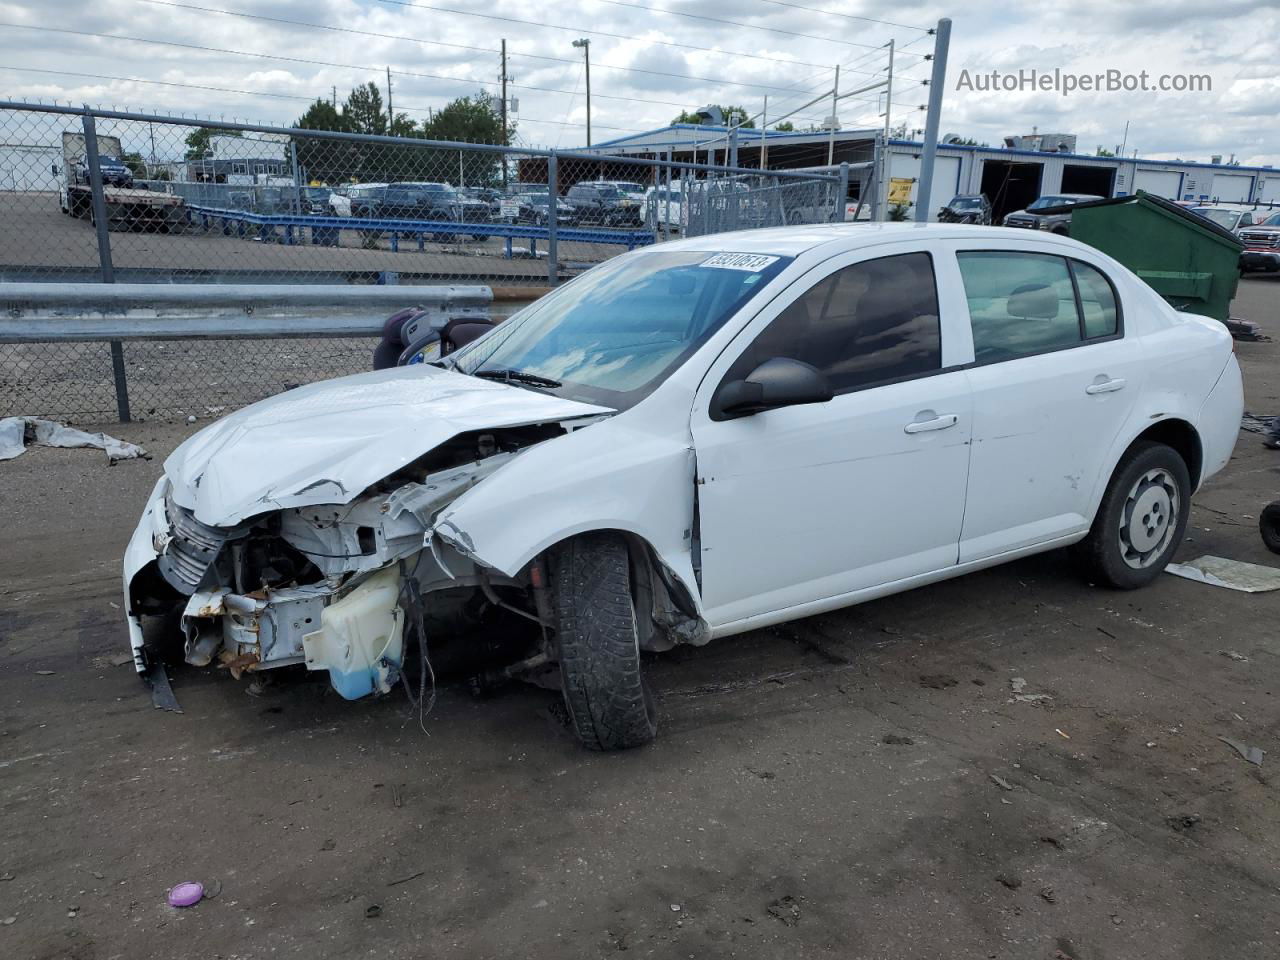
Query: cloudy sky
[{"x": 264, "y": 60}]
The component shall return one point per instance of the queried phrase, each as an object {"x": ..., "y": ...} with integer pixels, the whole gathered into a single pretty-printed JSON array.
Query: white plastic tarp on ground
[
  {"x": 47, "y": 433},
  {"x": 1232, "y": 574}
]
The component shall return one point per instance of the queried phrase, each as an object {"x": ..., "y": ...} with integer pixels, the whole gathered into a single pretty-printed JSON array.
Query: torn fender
[{"x": 611, "y": 477}]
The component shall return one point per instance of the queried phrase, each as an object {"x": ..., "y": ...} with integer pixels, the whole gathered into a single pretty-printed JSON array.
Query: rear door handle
[
  {"x": 1105, "y": 386},
  {"x": 937, "y": 423}
]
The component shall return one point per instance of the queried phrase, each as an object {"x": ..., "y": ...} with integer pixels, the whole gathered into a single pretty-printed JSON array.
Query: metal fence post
[
  {"x": 98, "y": 203},
  {"x": 553, "y": 216},
  {"x": 842, "y": 198}
]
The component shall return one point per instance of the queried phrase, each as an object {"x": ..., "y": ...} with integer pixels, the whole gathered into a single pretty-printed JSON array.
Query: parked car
[
  {"x": 474, "y": 209},
  {"x": 690, "y": 441},
  {"x": 533, "y": 205},
  {"x": 1230, "y": 217},
  {"x": 663, "y": 205},
  {"x": 114, "y": 171},
  {"x": 342, "y": 199},
  {"x": 1261, "y": 245},
  {"x": 487, "y": 195},
  {"x": 603, "y": 204},
  {"x": 315, "y": 201},
  {"x": 1032, "y": 219},
  {"x": 968, "y": 208}
]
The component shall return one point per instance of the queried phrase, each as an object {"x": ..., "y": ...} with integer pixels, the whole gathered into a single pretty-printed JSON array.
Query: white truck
[{"x": 128, "y": 208}]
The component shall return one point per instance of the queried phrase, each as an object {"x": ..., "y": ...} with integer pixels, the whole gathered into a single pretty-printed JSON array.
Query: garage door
[
  {"x": 1163, "y": 183},
  {"x": 27, "y": 168},
  {"x": 946, "y": 178},
  {"x": 1232, "y": 187}
]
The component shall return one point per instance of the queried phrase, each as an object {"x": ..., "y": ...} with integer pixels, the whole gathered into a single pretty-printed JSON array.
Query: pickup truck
[
  {"x": 1261, "y": 245},
  {"x": 1032, "y": 219}
]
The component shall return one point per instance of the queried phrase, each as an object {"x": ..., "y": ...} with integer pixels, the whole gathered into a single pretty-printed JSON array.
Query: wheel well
[{"x": 1182, "y": 437}]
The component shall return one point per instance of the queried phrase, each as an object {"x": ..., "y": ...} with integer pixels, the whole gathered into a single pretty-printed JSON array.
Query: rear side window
[
  {"x": 1097, "y": 301},
  {"x": 868, "y": 323}
]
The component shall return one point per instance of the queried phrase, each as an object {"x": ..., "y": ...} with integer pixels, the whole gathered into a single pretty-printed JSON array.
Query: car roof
[{"x": 793, "y": 241}]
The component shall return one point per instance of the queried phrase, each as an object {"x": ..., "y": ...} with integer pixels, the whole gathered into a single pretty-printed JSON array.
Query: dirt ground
[{"x": 856, "y": 785}]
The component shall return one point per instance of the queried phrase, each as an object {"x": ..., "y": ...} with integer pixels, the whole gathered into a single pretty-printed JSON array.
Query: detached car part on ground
[{"x": 686, "y": 442}]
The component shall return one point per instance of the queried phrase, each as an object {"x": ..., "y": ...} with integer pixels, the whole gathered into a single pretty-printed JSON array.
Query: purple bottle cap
[{"x": 186, "y": 895}]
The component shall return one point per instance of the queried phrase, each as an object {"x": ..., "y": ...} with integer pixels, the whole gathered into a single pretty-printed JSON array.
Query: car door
[
  {"x": 813, "y": 502},
  {"x": 1054, "y": 379}
]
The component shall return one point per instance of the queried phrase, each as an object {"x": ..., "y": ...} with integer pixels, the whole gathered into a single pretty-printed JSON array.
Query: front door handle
[
  {"x": 937, "y": 423},
  {"x": 1105, "y": 386}
]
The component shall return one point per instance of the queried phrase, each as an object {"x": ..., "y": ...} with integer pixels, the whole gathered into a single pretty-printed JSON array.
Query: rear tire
[
  {"x": 1141, "y": 519},
  {"x": 1269, "y": 526},
  {"x": 604, "y": 691}
]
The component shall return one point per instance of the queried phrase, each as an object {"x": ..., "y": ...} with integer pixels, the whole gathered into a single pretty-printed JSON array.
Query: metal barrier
[
  {"x": 195, "y": 349},
  {"x": 353, "y": 196}
]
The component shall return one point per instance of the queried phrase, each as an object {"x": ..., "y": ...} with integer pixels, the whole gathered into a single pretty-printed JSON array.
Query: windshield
[
  {"x": 1272, "y": 221},
  {"x": 615, "y": 333},
  {"x": 1223, "y": 218},
  {"x": 1052, "y": 202},
  {"x": 966, "y": 203}
]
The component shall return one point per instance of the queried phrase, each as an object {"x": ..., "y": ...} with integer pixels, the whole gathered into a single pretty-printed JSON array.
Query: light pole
[{"x": 585, "y": 44}]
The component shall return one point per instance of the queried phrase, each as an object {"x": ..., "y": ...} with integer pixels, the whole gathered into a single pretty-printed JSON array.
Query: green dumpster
[{"x": 1193, "y": 263}]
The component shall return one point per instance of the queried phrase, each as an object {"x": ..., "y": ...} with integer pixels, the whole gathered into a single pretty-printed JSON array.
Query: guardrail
[{"x": 48, "y": 333}]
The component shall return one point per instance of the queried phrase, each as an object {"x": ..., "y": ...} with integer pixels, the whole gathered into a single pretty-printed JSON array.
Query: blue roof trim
[{"x": 1079, "y": 156}]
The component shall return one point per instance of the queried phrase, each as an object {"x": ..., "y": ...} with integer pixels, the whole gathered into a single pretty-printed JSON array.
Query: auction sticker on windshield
[{"x": 751, "y": 262}]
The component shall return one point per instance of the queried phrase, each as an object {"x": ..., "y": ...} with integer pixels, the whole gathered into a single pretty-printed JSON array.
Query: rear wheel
[
  {"x": 1141, "y": 519},
  {"x": 1269, "y": 526},
  {"x": 607, "y": 698}
]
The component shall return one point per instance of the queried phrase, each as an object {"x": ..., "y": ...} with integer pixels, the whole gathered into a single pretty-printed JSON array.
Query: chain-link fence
[{"x": 122, "y": 197}]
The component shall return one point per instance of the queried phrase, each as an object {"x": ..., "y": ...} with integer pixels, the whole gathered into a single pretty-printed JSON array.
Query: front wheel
[
  {"x": 607, "y": 698},
  {"x": 1141, "y": 519}
]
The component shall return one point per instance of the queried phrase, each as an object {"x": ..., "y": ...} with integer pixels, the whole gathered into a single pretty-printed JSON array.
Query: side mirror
[{"x": 779, "y": 382}]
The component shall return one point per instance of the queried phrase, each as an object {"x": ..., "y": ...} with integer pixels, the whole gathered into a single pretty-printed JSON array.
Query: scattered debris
[
  {"x": 327, "y": 846},
  {"x": 1018, "y": 685},
  {"x": 373, "y": 911},
  {"x": 1009, "y": 880},
  {"x": 1001, "y": 782},
  {"x": 412, "y": 876},
  {"x": 191, "y": 418},
  {"x": 1253, "y": 754},
  {"x": 186, "y": 894},
  {"x": 786, "y": 909},
  {"x": 1232, "y": 574},
  {"x": 1047, "y": 895},
  {"x": 1064, "y": 736},
  {"x": 762, "y": 774},
  {"x": 162, "y": 697},
  {"x": 6, "y": 876},
  {"x": 1232, "y": 655},
  {"x": 675, "y": 908},
  {"x": 8, "y": 921},
  {"x": 213, "y": 890},
  {"x": 937, "y": 681},
  {"x": 1106, "y": 633},
  {"x": 397, "y": 795},
  {"x": 44, "y": 673},
  {"x": 897, "y": 740},
  {"x": 17, "y": 432},
  {"x": 978, "y": 682},
  {"x": 1183, "y": 821}
]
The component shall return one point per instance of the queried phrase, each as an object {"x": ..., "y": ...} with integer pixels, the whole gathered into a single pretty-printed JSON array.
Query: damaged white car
[{"x": 687, "y": 442}]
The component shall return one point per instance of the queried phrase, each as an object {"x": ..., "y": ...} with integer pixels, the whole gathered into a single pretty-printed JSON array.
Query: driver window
[{"x": 868, "y": 323}]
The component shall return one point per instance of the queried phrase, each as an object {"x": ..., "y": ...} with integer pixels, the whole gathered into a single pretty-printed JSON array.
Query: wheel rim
[{"x": 1149, "y": 518}]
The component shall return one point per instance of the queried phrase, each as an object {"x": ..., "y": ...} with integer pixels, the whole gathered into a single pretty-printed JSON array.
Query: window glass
[
  {"x": 1097, "y": 301},
  {"x": 870, "y": 322},
  {"x": 1019, "y": 303}
]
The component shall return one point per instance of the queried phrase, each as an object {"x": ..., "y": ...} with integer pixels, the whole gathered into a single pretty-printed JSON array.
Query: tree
[
  {"x": 786, "y": 126},
  {"x": 137, "y": 166},
  {"x": 322, "y": 115},
  {"x": 329, "y": 161},
  {"x": 732, "y": 115},
  {"x": 363, "y": 111},
  {"x": 1104, "y": 152},
  {"x": 198, "y": 141}
]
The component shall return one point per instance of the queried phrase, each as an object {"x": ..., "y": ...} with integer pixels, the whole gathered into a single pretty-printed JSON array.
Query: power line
[
  {"x": 424, "y": 111},
  {"x": 846, "y": 16},
  {"x": 737, "y": 23},
  {"x": 320, "y": 63},
  {"x": 597, "y": 33},
  {"x": 460, "y": 46}
]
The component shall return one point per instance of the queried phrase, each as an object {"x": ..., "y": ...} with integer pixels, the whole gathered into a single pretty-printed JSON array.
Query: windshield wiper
[{"x": 518, "y": 376}]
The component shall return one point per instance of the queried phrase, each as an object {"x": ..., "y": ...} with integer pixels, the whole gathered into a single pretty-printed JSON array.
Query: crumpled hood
[{"x": 328, "y": 441}]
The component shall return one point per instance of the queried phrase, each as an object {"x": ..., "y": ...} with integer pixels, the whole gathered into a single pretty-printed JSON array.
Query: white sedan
[{"x": 687, "y": 442}]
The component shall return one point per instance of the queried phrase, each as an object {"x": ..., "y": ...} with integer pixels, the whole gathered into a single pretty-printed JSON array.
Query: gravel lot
[{"x": 855, "y": 785}]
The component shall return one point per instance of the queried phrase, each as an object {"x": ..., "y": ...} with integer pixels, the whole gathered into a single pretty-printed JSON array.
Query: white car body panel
[{"x": 765, "y": 518}]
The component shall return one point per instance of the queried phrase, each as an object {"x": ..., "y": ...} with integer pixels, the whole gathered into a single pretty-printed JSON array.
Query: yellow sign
[{"x": 900, "y": 189}]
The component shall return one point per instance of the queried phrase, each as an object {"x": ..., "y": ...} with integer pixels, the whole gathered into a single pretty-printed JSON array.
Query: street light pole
[{"x": 585, "y": 44}]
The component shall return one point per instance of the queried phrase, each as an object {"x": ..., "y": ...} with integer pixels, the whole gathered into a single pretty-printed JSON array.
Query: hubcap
[{"x": 1149, "y": 518}]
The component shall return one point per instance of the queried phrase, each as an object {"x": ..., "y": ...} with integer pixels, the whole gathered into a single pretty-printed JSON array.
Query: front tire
[
  {"x": 1141, "y": 519},
  {"x": 604, "y": 691}
]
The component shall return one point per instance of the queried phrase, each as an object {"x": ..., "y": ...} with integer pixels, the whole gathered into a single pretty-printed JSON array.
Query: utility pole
[
  {"x": 930, "y": 151},
  {"x": 764, "y": 132},
  {"x": 888, "y": 93},
  {"x": 504, "y": 111},
  {"x": 831, "y": 142},
  {"x": 335, "y": 97},
  {"x": 391, "y": 110},
  {"x": 585, "y": 44}
]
